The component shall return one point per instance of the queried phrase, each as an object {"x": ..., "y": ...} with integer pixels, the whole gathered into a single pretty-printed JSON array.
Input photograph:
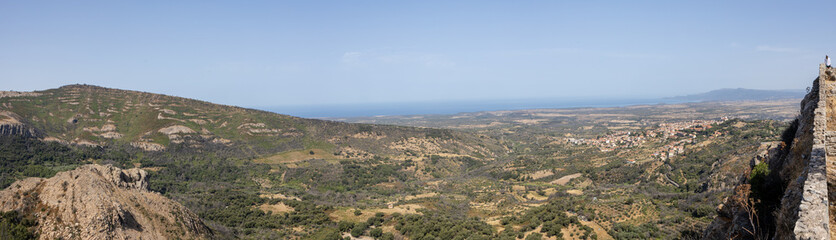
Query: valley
[{"x": 636, "y": 172}]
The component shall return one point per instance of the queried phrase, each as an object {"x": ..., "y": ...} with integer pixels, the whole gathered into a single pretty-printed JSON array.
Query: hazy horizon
[
  {"x": 431, "y": 107},
  {"x": 332, "y": 111},
  {"x": 336, "y": 111},
  {"x": 364, "y": 52}
]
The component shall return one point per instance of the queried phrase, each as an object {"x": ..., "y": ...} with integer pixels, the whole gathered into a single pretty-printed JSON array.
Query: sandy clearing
[
  {"x": 347, "y": 214},
  {"x": 531, "y": 121},
  {"x": 176, "y": 129},
  {"x": 541, "y": 174},
  {"x": 279, "y": 196},
  {"x": 575, "y": 192},
  {"x": 565, "y": 179},
  {"x": 276, "y": 208},
  {"x": 423, "y": 195}
]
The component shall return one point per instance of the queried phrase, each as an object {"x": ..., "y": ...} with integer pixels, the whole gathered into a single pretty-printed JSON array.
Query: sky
[{"x": 292, "y": 53}]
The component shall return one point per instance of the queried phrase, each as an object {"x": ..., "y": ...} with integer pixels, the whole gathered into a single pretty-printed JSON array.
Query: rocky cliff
[
  {"x": 101, "y": 202},
  {"x": 10, "y": 124},
  {"x": 786, "y": 197}
]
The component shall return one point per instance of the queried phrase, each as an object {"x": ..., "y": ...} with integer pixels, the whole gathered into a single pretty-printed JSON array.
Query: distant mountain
[{"x": 741, "y": 94}]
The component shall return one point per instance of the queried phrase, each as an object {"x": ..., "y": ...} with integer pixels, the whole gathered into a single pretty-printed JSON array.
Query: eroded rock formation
[{"x": 101, "y": 202}]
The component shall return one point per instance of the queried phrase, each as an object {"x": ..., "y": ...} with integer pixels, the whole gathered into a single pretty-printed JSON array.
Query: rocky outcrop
[
  {"x": 176, "y": 129},
  {"x": 101, "y": 202},
  {"x": 15, "y": 129},
  {"x": 10, "y": 125}
]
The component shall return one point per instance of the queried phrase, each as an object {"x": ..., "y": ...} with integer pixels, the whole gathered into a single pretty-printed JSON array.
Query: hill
[
  {"x": 156, "y": 126},
  {"x": 742, "y": 94},
  {"x": 95, "y": 116}
]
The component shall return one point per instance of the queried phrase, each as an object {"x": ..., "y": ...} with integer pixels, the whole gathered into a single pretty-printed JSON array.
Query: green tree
[
  {"x": 376, "y": 232},
  {"x": 14, "y": 227},
  {"x": 534, "y": 236},
  {"x": 345, "y": 226},
  {"x": 359, "y": 229},
  {"x": 387, "y": 236}
]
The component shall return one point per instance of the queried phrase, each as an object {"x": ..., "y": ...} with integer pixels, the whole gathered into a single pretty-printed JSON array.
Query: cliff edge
[{"x": 785, "y": 195}]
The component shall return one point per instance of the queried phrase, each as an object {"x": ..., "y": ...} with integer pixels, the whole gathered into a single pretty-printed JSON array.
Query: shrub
[
  {"x": 534, "y": 236},
  {"x": 359, "y": 229},
  {"x": 387, "y": 236},
  {"x": 376, "y": 233},
  {"x": 758, "y": 177},
  {"x": 345, "y": 226}
]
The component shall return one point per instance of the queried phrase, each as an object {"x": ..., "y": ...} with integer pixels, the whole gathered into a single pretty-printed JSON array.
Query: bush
[
  {"x": 345, "y": 226},
  {"x": 14, "y": 226},
  {"x": 702, "y": 211},
  {"x": 359, "y": 229},
  {"x": 534, "y": 236},
  {"x": 387, "y": 236},
  {"x": 376, "y": 233},
  {"x": 758, "y": 177}
]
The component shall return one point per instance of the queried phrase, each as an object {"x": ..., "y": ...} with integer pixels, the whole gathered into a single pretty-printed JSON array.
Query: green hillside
[{"x": 90, "y": 115}]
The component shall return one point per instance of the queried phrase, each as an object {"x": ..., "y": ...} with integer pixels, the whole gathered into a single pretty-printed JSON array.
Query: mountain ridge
[{"x": 741, "y": 94}]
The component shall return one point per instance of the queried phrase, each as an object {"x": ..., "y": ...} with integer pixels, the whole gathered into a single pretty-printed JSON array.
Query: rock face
[
  {"x": 10, "y": 124},
  {"x": 799, "y": 173},
  {"x": 101, "y": 202}
]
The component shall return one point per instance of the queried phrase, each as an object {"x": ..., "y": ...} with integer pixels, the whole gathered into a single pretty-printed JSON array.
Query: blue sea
[{"x": 449, "y": 107}]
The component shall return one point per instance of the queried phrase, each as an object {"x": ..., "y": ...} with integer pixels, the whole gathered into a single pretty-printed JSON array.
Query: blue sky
[{"x": 274, "y": 53}]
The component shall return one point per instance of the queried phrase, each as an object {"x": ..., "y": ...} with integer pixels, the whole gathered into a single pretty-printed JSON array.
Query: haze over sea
[{"x": 451, "y": 107}]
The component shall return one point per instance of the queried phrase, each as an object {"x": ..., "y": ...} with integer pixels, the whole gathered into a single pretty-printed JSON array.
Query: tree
[
  {"x": 376, "y": 232},
  {"x": 387, "y": 236},
  {"x": 534, "y": 236},
  {"x": 345, "y": 226},
  {"x": 359, "y": 229},
  {"x": 333, "y": 235}
]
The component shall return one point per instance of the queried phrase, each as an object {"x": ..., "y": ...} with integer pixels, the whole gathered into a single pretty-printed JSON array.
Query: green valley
[{"x": 640, "y": 172}]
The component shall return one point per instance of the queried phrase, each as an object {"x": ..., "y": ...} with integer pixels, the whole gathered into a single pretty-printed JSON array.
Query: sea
[{"x": 450, "y": 107}]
